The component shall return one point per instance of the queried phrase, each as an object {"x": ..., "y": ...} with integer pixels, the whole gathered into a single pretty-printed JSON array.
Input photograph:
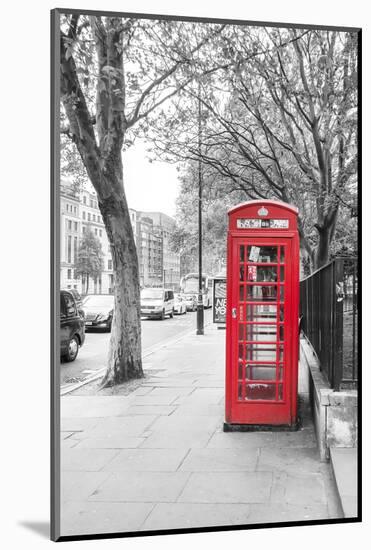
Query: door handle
[{"x": 234, "y": 312}]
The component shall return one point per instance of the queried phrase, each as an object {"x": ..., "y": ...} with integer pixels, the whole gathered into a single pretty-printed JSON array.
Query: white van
[{"x": 157, "y": 302}]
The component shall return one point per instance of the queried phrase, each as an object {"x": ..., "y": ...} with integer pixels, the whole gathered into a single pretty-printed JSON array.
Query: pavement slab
[
  {"x": 86, "y": 518},
  {"x": 153, "y": 399},
  {"x": 231, "y": 487},
  {"x": 82, "y": 459},
  {"x": 291, "y": 459},
  {"x": 184, "y": 422},
  {"x": 141, "y": 487},
  {"x": 278, "y": 513},
  {"x": 76, "y": 424},
  {"x": 150, "y": 410},
  {"x": 80, "y": 485},
  {"x": 224, "y": 460},
  {"x": 146, "y": 460},
  {"x": 110, "y": 442},
  {"x": 123, "y": 425},
  {"x": 201, "y": 409},
  {"x": 68, "y": 443},
  {"x": 186, "y": 516},
  {"x": 209, "y": 396},
  {"x": 87, "y": 406},
  {"x": 241, "y": 440},
  {"x": 187, "y": 438}
]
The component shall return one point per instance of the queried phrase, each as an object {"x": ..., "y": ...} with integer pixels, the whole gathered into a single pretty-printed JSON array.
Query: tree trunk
[
  {"x": 103, "y": 164},
  {"x": 125, "y": 354},
  {"x": 322, "y": 251},
  {"x": 87, "y": 284}
]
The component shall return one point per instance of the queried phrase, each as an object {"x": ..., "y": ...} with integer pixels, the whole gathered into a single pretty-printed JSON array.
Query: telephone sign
[
  {"x": 252, "y": 223},
  {"x": 262, "y": 316}
]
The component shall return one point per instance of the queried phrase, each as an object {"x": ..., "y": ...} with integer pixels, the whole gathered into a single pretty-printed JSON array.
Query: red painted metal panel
[{"x": 262, "y": 346}]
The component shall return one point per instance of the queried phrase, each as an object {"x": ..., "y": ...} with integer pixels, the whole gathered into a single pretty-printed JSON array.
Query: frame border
[{"x": 55, "y": 491}]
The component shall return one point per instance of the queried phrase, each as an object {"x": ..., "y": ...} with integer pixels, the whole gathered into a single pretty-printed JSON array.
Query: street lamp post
[{"x": 200, "y": 305}]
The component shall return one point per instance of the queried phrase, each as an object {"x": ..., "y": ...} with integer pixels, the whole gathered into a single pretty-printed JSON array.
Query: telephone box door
[{"x": 263, "y": 300}]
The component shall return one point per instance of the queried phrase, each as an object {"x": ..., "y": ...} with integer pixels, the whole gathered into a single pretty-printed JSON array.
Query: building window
[
  {"x": 110, "y": 289},
  {"x": 75, "y": 209},
  {"x": 110, "y": 265},
  {"x": 75, "y": 249},
  {"x": 69, "y": 248},
  {"x": 93, "y": 217},
  {"x": 91, "y": 203},
  {"x": 75, "y": 224},
  {"x": 96, "y": 231},
  {"x": 89, "y": 217},
  {"x": 68, "y": 274},
  {"x": 70, "y": 225},
  {"x": 84, "y": 199},
  {"x": 100, "y": 232},
  {"x": 83, "y": 229},
  {"x": 84, "y": 215}
]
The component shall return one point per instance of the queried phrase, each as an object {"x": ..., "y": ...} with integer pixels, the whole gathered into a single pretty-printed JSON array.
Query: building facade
[
  {"x": 70, "y": 231},
  {"x": 158, "y": 264},
  {"x": 166, "y": 261}
]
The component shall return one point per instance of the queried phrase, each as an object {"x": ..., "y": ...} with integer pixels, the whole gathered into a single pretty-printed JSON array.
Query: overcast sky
[{"x": 149, "y": 186}]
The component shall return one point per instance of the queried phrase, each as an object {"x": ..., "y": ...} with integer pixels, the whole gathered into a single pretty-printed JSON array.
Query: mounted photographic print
[{"x": 205, "y": 274}]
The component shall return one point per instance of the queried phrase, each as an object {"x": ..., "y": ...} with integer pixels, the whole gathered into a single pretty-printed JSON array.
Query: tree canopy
[{"x": 279, "y": 121}]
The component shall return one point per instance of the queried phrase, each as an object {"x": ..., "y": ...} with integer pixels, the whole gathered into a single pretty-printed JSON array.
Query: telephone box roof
[{"x": 279, "y": 204}]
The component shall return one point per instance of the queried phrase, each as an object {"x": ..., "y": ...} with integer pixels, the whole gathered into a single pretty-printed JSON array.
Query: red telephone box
[{"x": 262, "y": 316}]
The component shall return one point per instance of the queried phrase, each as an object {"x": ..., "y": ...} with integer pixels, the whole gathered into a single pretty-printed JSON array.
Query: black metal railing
[{"x": 329, "y": 309}]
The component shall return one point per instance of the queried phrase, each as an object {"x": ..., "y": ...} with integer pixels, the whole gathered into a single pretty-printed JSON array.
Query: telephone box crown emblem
[{"x": 263, "y": 211}]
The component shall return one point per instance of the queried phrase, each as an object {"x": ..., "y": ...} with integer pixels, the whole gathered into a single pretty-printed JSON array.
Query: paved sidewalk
[{"x": 159, "y": 459}]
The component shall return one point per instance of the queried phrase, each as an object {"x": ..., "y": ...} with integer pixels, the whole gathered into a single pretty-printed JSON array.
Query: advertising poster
[{"x": 219, "y": 300}]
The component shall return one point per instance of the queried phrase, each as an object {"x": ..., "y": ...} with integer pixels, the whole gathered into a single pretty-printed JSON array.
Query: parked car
[
  {"x": 191, "y": 301},
  {"x": 98, "y": 309},
  {"x": 180, "y": 306},
  {"x": 157, "y": 302},
  {"x": 78, "y": 299},
  {"x": 72, "y": 326}
]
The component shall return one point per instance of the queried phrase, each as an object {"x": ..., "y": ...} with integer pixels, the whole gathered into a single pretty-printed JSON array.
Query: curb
[{"x": 68, "y": 389}]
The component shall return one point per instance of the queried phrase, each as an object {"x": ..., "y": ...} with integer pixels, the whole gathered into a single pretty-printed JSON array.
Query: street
[{"x": 93, "y": 354}]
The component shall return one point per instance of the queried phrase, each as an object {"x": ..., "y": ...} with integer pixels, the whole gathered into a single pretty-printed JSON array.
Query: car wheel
[
  {"x": 72, "y": 349},
  {"x": 163, "y": 315},
  {"x": 109, "y": 327},
  {"x": 171, "y": 314}
]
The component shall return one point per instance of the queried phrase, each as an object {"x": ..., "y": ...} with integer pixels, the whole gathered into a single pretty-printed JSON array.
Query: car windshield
[
  {"x": 152, "y": 293},
  {"x": 99, "y": 301}
]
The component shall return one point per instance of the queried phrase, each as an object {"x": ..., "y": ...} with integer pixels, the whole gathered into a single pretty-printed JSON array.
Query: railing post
[{"x": 337, "y": 373}]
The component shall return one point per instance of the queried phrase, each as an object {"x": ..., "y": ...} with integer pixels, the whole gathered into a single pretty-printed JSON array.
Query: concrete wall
[{"x": 334, "y": 413}]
